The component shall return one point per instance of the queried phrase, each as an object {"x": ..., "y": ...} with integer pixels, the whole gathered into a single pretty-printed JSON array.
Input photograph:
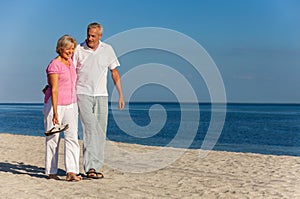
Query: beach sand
[{"x": 217, "y": 175}]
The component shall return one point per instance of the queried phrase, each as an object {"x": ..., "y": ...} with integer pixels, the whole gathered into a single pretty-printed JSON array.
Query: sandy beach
[{"x": 215, "y": 175}]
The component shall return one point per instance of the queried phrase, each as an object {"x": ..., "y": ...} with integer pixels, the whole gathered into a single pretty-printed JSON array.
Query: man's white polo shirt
[{"x": 92, "y": 68}]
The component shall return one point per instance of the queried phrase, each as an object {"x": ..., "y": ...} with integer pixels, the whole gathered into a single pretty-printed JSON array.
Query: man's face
[{"x": 93, "y": 38}]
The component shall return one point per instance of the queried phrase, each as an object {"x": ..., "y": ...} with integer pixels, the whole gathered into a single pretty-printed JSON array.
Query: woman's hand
[{"x": 55, "y": 119}]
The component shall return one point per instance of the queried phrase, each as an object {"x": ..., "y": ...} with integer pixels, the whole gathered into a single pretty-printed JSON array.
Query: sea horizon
[
  {"x": 171, "y": 102},
  {"x": 266, "y": 128}
]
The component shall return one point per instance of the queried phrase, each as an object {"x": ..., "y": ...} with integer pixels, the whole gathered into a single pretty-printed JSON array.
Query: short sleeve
[
  {"x": 53, "y": 68},
  {"x": 114, "y": 63},
  {"x": 75, "y": 56}
]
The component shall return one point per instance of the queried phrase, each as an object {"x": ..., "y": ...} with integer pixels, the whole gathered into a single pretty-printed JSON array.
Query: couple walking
[{"x": 77, "y": 80}]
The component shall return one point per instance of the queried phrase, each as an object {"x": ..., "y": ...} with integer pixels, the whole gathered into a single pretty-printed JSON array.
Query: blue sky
[{"x": 254, "y": 43}]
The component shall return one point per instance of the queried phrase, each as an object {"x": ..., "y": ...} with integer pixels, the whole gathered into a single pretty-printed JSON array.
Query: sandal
[
  {"x": 72, "y": 177},
  {"x": 94, "y": 175},
  {"x": 57, "y": 129}
]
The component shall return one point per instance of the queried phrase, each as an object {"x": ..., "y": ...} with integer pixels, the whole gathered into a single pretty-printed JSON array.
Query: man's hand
[{"x": 121, "y": 103}]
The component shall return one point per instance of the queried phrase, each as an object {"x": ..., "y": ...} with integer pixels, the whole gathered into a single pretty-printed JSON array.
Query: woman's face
[{"x": 68, "y": 51}]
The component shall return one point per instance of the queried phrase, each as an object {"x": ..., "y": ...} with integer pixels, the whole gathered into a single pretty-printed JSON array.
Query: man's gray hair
[{"x": 95, "y": 25}]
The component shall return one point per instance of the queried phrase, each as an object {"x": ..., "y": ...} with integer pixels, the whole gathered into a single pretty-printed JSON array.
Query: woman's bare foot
[
  {"x": 53, "y": 176},
  {"x": 72, "y": 177}
]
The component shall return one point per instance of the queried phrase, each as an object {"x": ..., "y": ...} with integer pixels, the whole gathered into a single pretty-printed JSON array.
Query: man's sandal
[{"x": 94, "y": 175}]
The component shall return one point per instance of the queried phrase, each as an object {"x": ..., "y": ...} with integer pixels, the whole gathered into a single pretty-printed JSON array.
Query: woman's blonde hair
[{"x": 64, "y": 41}]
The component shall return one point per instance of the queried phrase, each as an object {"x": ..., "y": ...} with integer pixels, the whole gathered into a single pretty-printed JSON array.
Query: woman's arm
[{"x": 53, "y": 81}]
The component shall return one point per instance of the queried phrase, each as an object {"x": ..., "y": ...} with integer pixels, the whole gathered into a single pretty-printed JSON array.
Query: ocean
[{"x": 255, "y": 128}]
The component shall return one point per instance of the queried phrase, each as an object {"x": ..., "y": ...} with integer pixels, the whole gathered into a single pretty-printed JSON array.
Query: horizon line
[{"x": 174, "y": 102}]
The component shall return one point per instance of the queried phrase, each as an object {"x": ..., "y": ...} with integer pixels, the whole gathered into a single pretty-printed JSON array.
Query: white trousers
[{"x": 67, "y": 115}]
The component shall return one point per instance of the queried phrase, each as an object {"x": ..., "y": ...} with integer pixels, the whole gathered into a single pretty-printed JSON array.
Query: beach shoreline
[{"x": 218, "y": 174}]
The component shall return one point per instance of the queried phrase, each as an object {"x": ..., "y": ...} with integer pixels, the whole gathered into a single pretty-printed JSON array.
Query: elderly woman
[{"x": 61, "y": 112}]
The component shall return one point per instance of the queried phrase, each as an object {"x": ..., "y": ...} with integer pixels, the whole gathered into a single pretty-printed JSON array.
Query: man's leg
[
  {"x": 101, "y": 113},
  {"x": 91, "y": 136}
]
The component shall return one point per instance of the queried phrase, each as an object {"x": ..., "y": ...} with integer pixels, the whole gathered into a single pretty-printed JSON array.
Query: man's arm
[{"x": 117, "y": 81}]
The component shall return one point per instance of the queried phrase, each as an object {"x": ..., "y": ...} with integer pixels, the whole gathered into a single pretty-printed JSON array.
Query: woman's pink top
[{"x": 66, "y": 82}]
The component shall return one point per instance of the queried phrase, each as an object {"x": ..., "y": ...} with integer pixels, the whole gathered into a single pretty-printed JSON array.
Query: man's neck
[{"x": 95, "y": 47}]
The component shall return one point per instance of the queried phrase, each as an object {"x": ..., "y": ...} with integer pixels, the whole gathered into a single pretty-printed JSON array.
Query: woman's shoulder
[
  {"x": 54, "y": 61},
  {"x": 55, "y": 66}
]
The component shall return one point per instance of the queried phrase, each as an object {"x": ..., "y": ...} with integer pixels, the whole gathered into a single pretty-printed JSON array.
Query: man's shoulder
[
  {"x": 82, "y": 45},
  {"x": 105, "y": 45}
]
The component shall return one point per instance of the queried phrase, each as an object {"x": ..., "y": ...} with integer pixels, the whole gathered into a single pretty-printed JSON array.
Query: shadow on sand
[{"x": 19, "y": 168}]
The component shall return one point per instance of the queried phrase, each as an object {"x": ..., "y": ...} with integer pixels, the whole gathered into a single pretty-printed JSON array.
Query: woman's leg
[{"x": 52, "y": 141}]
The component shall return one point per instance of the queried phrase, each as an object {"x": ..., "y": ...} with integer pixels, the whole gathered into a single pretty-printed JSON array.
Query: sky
[{"x": 255, "y": 45}]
